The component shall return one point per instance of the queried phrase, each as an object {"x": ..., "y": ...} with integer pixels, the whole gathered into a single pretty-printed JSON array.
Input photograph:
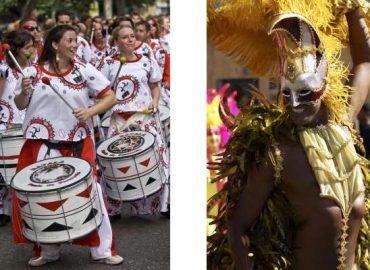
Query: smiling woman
[{"x": 52, "y": 129}]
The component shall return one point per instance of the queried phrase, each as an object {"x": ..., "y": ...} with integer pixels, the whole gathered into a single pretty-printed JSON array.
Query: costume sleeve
[
  {"x": 155, "y": 72},
  {"x": 97, "y": 83}
]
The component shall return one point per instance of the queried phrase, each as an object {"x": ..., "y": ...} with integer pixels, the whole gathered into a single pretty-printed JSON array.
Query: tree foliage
[{"x": 11, "y": 10}]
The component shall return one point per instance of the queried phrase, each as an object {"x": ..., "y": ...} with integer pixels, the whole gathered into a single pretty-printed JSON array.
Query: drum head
[
  {"x": 164, "y": 113},
  {"x": 51, "y": 174},
  {"x": 125, "y": 144}
]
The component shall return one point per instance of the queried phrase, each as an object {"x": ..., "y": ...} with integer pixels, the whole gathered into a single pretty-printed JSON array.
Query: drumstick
[
  {"x": 46, "y": 81},
  {"x": 6, "y": 47},
  {"x": 122, "y": 60},
  {"x": 106, "y": 41},
  {"x": 92, "y": 35}
]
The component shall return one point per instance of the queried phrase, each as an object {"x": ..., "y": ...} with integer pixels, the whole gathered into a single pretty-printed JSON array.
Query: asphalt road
[{"x": 143, "y": 242}]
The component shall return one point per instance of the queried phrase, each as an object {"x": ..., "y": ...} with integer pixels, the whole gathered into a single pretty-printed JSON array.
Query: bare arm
[
  {"x": 247, "y": 210},
  {"x": 360, "y": 52},
  {"x": 107, "y": 100},
  {"x": 156, "y": 92}
]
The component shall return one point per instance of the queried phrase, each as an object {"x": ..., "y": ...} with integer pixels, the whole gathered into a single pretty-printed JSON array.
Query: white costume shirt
[
  {"x": 9, "y": 113},
  {"x": 132, "y": 87},
  {"x": 159, "y": 53},
  {"x": 47, "y": 116},
  {"x": 83, "y": 53}
]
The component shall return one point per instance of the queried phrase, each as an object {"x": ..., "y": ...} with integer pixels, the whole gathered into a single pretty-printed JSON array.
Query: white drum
[
  {"x": 130, "y": 165},
  {"x": 58, "y": 200},
  {"x": 164, "y": 116},
  {"x": 11, "y": 142}
]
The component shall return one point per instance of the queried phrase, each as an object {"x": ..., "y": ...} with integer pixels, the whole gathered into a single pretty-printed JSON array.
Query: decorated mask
[{"x": 303, "y": 63}]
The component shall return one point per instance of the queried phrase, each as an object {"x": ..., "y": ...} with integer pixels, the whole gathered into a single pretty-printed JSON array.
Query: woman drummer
[
  {"x": 54, "y": 129},
  {"x": 136, "y": 84},
  {"x": 22, "y": 45}
]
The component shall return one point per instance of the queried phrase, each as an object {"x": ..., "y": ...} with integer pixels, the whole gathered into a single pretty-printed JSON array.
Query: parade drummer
[
  {"x": 22, "y": 45},
  {"x": 296, "y": 190},
  {"x": 135, "y": 81},
  {"x": 53, "y": 129}
]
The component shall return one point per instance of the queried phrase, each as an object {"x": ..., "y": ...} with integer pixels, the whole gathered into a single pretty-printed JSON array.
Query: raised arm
[
  {"x": 360, "y": 52},
  {"x": 253, "y": 197}
]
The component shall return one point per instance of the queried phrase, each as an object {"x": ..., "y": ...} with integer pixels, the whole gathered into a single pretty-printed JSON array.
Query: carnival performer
[
  {"x": 52, "y": 129},
  {"x": 22, "y": 45},
  {"x": 83, "y": 53},
  {"x": 297, "y": 191},
  {"x": 137, "y": 90},
  {"x": 142, "y": 29},
  {"x": 99, "y": 45},
  {"x": 32, "y": 27}
]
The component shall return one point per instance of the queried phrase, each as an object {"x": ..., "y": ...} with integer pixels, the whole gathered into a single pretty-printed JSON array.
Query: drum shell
[
  {"x": 164, "y": 116},
  {"x": 76, "y": 208},
  {"x": 105, "y": 125},
  {"x": 134, "y": 177},
  {"x": 10, "y": 147}
]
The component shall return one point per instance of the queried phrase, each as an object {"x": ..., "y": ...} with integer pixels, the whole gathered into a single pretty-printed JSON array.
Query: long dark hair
[
  {"x": 49, "y": 53},
  {"x": 17, "y": 40}
]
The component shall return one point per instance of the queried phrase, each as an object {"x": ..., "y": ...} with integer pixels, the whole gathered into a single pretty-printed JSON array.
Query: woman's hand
[
  {"x": 153, "y": 105},
  {"x": 83, "y": 114},
  {"x": 26, "y": 86}
]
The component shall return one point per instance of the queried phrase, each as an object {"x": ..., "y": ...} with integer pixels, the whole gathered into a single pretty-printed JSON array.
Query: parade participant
[
  {"x": 296, "y": 187},
  {"x": 83, "y": 53},
  {"x": 154, "y": 30},
  {"x": 51, "y": 129},
  {"x": 22, "y": 46},
  {"x": 32, "y": 27},
  {"x": 142, "y": 29},
  {"x": 99, "y": 46},
  {"x": 165, "y": 32},
  {"x": 137, "y": 90}
]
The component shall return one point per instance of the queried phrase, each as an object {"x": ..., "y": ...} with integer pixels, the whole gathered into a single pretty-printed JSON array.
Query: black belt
[{"x": 76, "y": 147}]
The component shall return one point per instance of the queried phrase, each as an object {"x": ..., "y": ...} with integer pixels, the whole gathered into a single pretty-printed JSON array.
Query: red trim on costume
[
  {"x": 106, "y": 89},
  {"x": 8, "y": 157},
  {"x": 55, "y": 74},
  {"x": 133, "y": 61},
  {"x": 100, "y": 48},
  {"x": 141, "y": 43}
]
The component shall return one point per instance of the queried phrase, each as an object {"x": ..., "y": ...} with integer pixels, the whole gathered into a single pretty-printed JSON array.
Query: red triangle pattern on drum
[
  {"x": 124, "y": 169},
  {"x": 86, "y": 192},
  {"x": 145, "y": 162},
  {"x": 22, "y": 203},
  {"x": 52, "y": 206}
]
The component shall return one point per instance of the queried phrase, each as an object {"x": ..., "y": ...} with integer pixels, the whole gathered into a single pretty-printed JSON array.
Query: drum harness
[{"x": 75, "y": 146}]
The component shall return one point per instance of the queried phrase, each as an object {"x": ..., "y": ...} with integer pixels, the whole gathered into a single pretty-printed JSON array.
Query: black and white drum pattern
[
  {"x": 58, "y": 200},
  {"x": 11, "y": 143},
  {"x": 130, "y": 165}
]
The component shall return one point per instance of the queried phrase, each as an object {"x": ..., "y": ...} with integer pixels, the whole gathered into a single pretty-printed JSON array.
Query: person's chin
[{"x": 301, "y": 119}]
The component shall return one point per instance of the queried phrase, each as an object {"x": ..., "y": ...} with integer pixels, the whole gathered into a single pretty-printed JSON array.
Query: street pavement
[{"x": 143, "y": 242}]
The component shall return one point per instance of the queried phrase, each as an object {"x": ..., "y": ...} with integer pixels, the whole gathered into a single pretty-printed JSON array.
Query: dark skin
[{"x": 319, "y": 220}]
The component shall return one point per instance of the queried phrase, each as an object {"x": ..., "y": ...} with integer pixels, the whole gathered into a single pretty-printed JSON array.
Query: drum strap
[{"x": 76, "y": 147}]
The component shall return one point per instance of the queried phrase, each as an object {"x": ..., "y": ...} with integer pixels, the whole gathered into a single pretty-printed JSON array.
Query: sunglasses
[
  {"x": 32, "y": 28},
  {"x": 153, "y": 25}
]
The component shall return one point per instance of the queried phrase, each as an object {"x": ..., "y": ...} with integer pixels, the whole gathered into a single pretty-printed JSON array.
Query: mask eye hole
[
  {"x": 286, "y": 92},
  {"x": 304, "y": 92}
]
